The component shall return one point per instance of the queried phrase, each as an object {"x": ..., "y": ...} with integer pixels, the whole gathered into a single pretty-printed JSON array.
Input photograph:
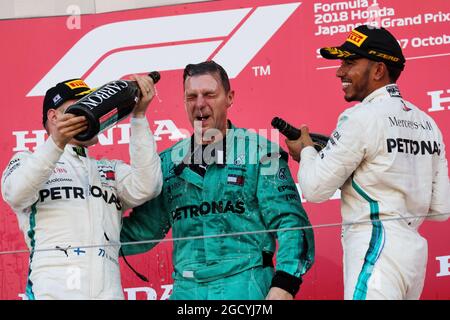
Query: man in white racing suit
[
  {"x": 72, "y": 204},
  {"x": 388, "y": 158}
]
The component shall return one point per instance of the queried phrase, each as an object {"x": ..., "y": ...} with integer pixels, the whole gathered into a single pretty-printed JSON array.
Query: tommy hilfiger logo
[{"x": 235, "y": 179}]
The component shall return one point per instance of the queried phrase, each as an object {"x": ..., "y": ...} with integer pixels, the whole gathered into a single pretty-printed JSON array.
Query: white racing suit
[
  {"x": 65, "y": 200},
  {"x": 388, "y": 159}
]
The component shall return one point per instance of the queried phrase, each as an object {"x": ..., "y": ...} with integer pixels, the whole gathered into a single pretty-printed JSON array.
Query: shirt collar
[
  {"x": 391, "y": 90},
  {"x": 77, "y": 151}
]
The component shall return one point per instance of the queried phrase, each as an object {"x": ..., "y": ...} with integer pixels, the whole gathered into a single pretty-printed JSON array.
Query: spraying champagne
[{"x": 107, "y": 105}]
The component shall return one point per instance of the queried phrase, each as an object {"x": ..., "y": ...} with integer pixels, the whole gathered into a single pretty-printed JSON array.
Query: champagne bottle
[
  {"x": 286, "y": 129},
  {"x": 107, "y": 105},
  {"x": 320, "y": 141}
]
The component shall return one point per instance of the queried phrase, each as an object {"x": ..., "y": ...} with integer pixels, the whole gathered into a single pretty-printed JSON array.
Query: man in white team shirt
[
  {"x": 65, "y": 200},
  {"x": 388, "y": 158}
]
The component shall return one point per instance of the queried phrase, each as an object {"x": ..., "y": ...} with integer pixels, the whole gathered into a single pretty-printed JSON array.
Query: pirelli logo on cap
[
  {"x": 357, "y": 38},
  {"x": 76, "y": 84}
]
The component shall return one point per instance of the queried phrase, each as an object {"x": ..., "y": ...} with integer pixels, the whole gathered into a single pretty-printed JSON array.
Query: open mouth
[
  {"x": 202, "y": 118},
  {"x": 346, "y": 84}
]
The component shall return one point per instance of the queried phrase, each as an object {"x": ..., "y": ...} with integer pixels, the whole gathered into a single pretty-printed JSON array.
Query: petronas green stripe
[
  {"x": 375, "y": 246},
  {"x": 29, "y": 288}
]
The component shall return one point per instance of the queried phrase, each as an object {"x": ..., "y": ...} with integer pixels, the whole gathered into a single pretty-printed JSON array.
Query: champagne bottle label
[
  {"x": 104, "y": 107},
  {"x": 107, "y": 105},
  {"x": 98, "y": 97},
  {"x": 109, "y": 119}
]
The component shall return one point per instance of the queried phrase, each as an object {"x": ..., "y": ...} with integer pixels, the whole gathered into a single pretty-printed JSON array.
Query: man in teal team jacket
[{"x": 225, "y": 180}]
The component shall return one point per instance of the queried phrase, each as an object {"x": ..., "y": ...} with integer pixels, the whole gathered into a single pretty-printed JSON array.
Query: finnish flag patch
[{"x": 56, "y": 99}]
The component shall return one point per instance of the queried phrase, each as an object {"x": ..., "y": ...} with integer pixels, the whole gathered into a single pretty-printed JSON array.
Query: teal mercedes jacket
[{"x": 248, "y": 191}]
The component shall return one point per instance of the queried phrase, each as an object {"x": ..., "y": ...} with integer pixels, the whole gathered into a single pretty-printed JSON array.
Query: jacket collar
[
  {"x": 189, "y": 149},
  {"x": 76, "y": 151},
  {"x": 391, "y": 90}
]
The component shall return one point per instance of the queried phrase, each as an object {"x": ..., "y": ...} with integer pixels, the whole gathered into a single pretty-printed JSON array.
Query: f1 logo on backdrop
[{"x": 230, "y": 37}]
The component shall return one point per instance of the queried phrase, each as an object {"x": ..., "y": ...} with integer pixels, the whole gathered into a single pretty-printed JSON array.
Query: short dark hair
[
  {"x": 394, "y": 73},
  {"x": 207, "y": 67}
]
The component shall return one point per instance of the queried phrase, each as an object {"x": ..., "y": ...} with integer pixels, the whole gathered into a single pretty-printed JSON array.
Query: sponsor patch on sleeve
[{"x": 13, "y": 165}]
